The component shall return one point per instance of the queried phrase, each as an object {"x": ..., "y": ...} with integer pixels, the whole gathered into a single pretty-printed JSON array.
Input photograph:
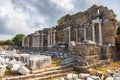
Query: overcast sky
[{"x": 27, "y": 16}]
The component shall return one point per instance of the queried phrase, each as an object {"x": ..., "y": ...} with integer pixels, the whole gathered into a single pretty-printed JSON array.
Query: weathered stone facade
[
  {"x": 87, "y": 54},
  {"x": 96, "y": 24},
  {"x": 92, "y": 55},
  {"x": 84, "y": 21}
]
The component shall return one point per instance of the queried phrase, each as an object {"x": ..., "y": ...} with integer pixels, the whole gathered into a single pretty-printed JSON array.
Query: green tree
[
  {"x": 118, "y": 27},
  {"x": 1, "y": 42},
  {"x": 106, "y": 7},
  {"x": 8, "y": 42},
  {"x": 18, "y": 39}
]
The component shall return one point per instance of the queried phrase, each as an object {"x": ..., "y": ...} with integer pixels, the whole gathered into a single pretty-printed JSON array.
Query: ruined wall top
[{"x": 79, "y": 18}]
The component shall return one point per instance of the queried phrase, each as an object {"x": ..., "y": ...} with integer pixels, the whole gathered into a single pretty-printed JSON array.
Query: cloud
[
  {"x": 27, "y": 16},
  {"x": 65, "y": 4},
  {"x": 11, "y": 20},
  {"x": 39, "y": 9},
  {"x": 14, "y": 20},
  {"x": 5, "y": 37}
]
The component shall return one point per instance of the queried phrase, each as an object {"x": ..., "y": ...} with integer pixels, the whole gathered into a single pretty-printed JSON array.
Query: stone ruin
[
  {"x": 92, "y": 55},
  {"x": 21, "y": 63},
  {"x": 93, "y": 32},
  {"x": 96, "y": 24},
  {"x": 39, "y": 61}
]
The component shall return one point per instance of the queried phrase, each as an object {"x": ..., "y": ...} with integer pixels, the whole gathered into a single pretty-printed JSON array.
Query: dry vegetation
[
  {"x": 112, "y": 67},
  {"x": 55, "y": 62}
]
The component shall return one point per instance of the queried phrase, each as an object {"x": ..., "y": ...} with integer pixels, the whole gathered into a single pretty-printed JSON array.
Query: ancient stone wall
[
  {"x": 88, "y": 54},
  {"x": 26, "y": 41},
  {"x": 108, "y": 53}
]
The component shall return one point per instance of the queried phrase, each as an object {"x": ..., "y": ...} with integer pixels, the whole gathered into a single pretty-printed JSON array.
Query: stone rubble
[
  {"x": 88, "y": 42},
  {"x": 17, "y": 62},
  {"x": 81, "y": 76},
  {"x": 23, "y": 70},
  {"x": 39, "y": 61},
  {"x": 111, "y": 75},
  {"x": 68, "y": 60},
  {"x": 2, "y": 70},
  {"x": 57, "y": 54}
]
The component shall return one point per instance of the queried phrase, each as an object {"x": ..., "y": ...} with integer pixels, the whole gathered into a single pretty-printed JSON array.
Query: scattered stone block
[
  {"x": 2, "y": 71},
  {"x": 61, "y": 79},
  {"x": 83, "y": 75},
  {"x": 23, "y": 70},
  {"x": 110, "y": 78}
]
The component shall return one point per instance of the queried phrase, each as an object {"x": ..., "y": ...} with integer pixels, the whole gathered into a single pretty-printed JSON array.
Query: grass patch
[
  {"x": 104, "y": 70},
  {"x": 56, "y": 61},
  {"x": 118, "y": 62}
]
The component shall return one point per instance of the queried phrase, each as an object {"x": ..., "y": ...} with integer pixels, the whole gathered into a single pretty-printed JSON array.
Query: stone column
[
  {"x": 42, "y": 39},
  {"x": 54, "y": 37},
  {"x": 93, "y": 32},
  {"x": 76, "y": 35},
  {"x": 85, "y": 38},
  {"x": 100, "y": 33},
  {"x": 48, "y": 40},
  {"x": 69, "y": 35},
  {"x": 23, "y": 42},
  {"x": 28, "y": 42},
  {"x": 33, "y": 41},
  {"x": 51, "y": 38},
  {"x": 38, "y": 41}
]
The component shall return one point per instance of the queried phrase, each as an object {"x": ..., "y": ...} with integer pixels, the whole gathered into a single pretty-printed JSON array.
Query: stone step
[
  {"x": 38, "y": 75},
  {"x": 53, "y": 72},
  {"x": 50, "y": 77},
  {"x": 51, "y": 69}
]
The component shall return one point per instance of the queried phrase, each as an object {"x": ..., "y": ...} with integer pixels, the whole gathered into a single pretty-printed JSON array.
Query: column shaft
[
  {"x": 85, "y": 38},
  {"x": 76, "y": 35},
  {"x": 51, "y": 38},
  {"x": 69, "y": 35},
  {"x": 48, "y": 39},
  {"x": 54, "y": 38},
  {"x": 42, "y": 40},
  {"x": 38, "y": 41},
  {"x": 93, "y": 32},
  {"x": 100, "y": 33},
  {"x": 23, "y": 42}
]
